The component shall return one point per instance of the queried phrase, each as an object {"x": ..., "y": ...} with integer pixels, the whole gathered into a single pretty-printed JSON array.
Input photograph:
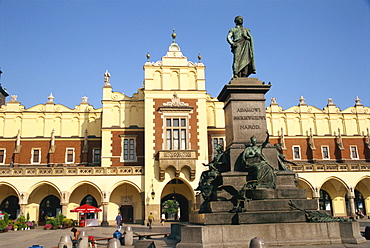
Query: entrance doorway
[{"x": 127, "y": 213}]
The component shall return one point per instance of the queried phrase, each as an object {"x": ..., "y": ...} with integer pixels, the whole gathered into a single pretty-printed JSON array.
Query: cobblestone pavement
[{"x": 50, "y": 238}]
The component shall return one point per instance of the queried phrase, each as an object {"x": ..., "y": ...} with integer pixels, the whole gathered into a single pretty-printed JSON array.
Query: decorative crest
[{"x": 175, "y": 102}]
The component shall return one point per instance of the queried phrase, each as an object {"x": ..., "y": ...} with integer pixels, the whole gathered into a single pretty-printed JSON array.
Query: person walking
[
  {"x": 119, "y": 221},
  {"x": 150, "y": 220},
  {"x": 163, "y": 219}
]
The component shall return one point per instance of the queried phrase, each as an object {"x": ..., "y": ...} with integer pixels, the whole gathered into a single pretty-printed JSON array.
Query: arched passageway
[
  {"x": 180, "y": 193},
  {"x": 49, "y": 207},
  {"x": 180, "y": 202},
  {"x": 10, "y": 205}
]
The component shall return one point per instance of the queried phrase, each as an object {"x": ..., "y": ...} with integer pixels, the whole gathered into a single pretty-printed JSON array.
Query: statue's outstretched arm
[{"x": 267, "y": 140}]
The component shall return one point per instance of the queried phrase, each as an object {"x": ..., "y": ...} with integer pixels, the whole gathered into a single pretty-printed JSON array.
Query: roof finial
[
  {"x": 358, "y": 101},
  {"x": 51, "y": 98},
  {"x": 148, "y": 56},
  {"x": 173, "y": 36},
  {"x": 199, "y": 58}
]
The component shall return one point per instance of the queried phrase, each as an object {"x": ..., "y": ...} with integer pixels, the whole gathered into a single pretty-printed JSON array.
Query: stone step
[
  {"x": 265, "y": 205},
  {"x": 262, "y": 194},
  {"x": 256, "y": 217}
]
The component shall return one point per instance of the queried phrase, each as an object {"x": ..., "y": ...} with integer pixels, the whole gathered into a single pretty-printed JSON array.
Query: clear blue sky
[{"x": 316, "y": 48}]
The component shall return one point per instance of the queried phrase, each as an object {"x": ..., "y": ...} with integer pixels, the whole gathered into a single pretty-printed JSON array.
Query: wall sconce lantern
[
  {"x": 22, "y": 195},
  {"x": 105, "y": 195},
  {"x": 152, "y": 194},
  {"x": 6, "y": 205}
]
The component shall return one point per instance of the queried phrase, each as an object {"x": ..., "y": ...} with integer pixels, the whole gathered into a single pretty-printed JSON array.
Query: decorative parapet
[
  {"x": 177, "y": 159},
  {"x": 71, "y": 171}
]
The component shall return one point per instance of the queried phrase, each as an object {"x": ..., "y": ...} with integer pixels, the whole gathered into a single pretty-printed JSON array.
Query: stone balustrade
[
  {"x": 330, "y": 167},
  {"x": 70, "y": 171}
]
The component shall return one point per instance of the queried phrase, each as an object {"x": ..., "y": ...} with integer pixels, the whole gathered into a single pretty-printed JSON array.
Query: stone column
[
  {"x": 64, "y": 208},
  {"x": 142, "y": 196},
  {"x": 23, "y": 209},
  {"x": 105, "y": 214},
  {"x": 316, "y": 196}
]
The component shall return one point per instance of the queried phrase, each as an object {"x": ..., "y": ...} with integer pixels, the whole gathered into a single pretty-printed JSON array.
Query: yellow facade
[{"x": 129, "y": 154}]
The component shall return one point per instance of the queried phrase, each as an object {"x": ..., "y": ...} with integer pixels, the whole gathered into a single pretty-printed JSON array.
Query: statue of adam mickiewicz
[{"x": 241, "y": 42}]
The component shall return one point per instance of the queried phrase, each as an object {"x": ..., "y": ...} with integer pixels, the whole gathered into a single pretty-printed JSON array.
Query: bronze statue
[
  {"x": 241, "y": 42},
  {"x": 211, "y": 179},
  {"x": 260, "y": 173}
]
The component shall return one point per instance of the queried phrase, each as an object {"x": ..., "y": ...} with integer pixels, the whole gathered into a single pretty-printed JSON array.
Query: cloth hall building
[{"x": 138, "y": 151}]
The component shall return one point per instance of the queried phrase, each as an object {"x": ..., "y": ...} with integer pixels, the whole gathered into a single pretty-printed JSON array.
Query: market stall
[{"x": 88, "y": 215}]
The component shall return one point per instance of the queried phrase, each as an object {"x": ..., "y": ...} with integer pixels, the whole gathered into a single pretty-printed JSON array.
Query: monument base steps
[{"x": 276, "y": 234}]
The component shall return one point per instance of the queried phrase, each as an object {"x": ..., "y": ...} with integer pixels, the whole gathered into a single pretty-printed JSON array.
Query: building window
[
  {"x": 296, "y": 152},
  {"x": 325, "y": 152},
  {"x": 217, "y": 141},
  {"x": 2, "y": 156},
  {"x": 176, "y": 133},
  {"x": 36, "y": 156},
  {"x": 129, "y": 149},
  {"x": 354, "y": 153},
  {"x": 70, "y": 155},
  {"x": 96, "y": 156}
]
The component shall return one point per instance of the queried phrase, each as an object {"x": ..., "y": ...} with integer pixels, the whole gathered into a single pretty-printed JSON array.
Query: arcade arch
[
  {"x": 303, "y": 184},
  {"x": 43, "y": 201},
  {"x": 84, "y": 192},
  {"x": 126, "y": 199},
  {"x": 9, "y": 200},
  {"x": 337, "y": 191}
]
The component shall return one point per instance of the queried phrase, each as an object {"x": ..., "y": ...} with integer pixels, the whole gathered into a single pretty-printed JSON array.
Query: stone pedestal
[{"x": 245, "y": 113}]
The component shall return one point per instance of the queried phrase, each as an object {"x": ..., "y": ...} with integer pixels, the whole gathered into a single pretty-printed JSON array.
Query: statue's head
[
  {"x": 238, "y": 20},
  {"x": 219, "y": 148},
  {"x": 278, "y": 146},
  {"x": 253, "y": 140}
]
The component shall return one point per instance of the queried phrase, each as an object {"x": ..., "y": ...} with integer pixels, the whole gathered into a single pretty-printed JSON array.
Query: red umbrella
[{"x": 86, "y": 208}]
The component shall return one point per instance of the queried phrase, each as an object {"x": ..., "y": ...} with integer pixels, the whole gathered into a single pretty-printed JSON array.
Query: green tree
[{"x": 170, "y": 207}]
